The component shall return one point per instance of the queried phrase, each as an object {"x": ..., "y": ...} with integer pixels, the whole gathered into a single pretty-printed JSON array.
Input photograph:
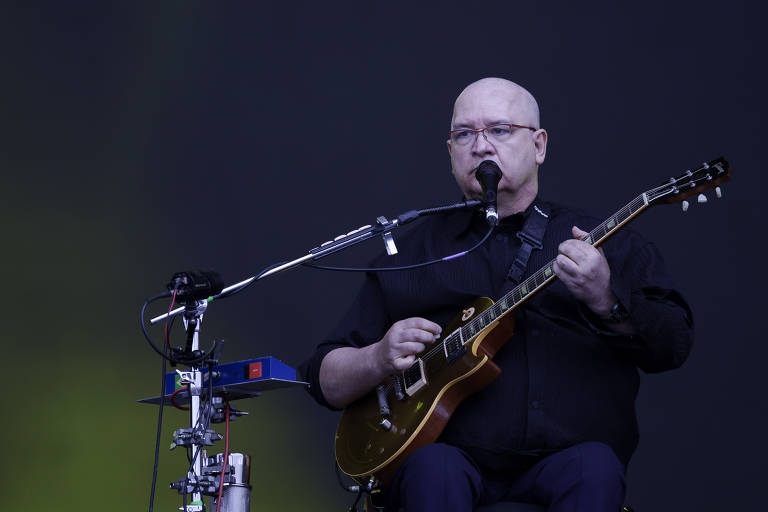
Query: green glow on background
[
  {"x": 138, "y": 139},
  {"x": 84, "y": 245}
]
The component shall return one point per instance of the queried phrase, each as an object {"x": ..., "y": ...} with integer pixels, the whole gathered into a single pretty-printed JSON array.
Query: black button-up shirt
[{"x": 565, "y": 377}]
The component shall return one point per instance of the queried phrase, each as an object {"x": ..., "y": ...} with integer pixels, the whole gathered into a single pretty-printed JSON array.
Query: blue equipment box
[{"x": 241, "y": 379}]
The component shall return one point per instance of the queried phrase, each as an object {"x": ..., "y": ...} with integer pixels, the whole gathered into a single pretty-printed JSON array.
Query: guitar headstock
[{"x": 708, "y": 175}]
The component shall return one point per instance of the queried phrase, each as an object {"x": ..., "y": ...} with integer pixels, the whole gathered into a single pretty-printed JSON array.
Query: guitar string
[
  {"x": 533, "y": 283},
  {"x": 536, "y": 280},
  {"x": 540, "y": 276},
  {"x": 597, "y": 234}
]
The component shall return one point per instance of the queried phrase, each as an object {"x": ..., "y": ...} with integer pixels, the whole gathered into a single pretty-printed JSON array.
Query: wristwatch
[{"x": 616, "y": 315}]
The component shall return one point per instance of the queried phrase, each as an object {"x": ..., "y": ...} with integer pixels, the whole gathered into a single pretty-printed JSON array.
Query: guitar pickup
[{"x": 414, "y": 377}]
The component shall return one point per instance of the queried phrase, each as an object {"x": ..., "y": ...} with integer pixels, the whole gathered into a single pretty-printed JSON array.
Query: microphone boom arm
[{"x": 382, "y": 227}]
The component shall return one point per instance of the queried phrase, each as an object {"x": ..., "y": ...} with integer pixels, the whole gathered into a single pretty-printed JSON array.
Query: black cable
[
  {"x": 338, "y": 476},
  {"x": 360, "y": 269},
  {"x": 157, "y": 440},
  {"x": 353, "y": 508},
  {"x": 349, "y": 488},
  {"x": 192, "y": 462},
  {"x": 168, "y": 327},
  {"x": 404, "y": 267},
  {"x": 195, "y": 453},
  {"x": 356, "y": 488},
  {"x": 255, "y": 278},
  {"x": 187, "y": 362},
  {"x": 205, "y": 424}
]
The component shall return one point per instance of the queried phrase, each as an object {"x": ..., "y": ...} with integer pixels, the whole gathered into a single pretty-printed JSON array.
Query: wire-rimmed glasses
[{"x": 500, "y": 132}]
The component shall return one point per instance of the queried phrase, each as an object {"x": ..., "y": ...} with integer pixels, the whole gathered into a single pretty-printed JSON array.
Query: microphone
[
  {"x": 195, "y": 285},
  {"x": 489, "y": 174}
]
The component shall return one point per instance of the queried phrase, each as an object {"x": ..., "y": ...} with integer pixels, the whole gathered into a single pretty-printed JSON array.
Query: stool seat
[{"x": 508, "y": 506}]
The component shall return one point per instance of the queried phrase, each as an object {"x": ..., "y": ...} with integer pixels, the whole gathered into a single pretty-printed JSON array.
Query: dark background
[{"x": 142, "y": 138}]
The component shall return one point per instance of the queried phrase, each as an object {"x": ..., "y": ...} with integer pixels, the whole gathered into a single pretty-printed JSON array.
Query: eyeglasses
[{"x": 501, "y": 132}]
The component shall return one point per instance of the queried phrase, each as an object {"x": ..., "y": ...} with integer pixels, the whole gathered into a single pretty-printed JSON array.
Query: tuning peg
[
  {"x": 718, "y": 192},
  {"x": 685, "y": 206},
  {"x": 701, "y": 199}
]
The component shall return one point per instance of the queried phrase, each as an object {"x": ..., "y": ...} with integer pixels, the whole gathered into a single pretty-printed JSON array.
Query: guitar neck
[
  {"x": 546, "y": 274},
  {"x": 708, "y": 175}
]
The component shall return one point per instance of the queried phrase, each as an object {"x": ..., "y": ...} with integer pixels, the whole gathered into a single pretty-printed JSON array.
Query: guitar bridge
[
  {"x": 414, "y": 377},
  {"x": 454, "y": 347}
]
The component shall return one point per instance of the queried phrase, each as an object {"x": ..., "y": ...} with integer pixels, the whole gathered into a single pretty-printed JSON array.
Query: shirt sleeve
[
  {"x": 661, "y": 317},
  {"x": 365, "y": 323}
]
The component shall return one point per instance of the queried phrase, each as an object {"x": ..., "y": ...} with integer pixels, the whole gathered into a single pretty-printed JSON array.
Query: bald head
[
  {"x": 517, "y": 101},
  {"x": 489, "y": 103}
]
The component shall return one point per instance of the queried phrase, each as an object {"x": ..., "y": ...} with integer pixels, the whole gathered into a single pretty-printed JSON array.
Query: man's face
[{"x": 518, "y": 158}]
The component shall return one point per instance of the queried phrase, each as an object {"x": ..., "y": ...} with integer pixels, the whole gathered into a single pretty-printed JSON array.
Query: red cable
[
  {"x": 226, "y": 456},
  {"x": 173, "y": 395},
  {"x": 167, "y": 344},
  {"x": 168, "y": 318}
]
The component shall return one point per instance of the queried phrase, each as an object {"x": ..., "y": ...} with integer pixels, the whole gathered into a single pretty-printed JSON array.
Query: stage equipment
[
  {"x": 212, "y": 388},
  {"x": 382, "y": 227}
]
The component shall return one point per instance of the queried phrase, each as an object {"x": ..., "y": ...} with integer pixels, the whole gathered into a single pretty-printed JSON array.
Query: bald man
[{"x": 558, "y": 426}]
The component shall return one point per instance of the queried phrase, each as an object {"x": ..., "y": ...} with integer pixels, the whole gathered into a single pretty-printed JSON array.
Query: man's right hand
[
  {"x": 397, "y": 350},
  {"x": 347, "y": 373}
]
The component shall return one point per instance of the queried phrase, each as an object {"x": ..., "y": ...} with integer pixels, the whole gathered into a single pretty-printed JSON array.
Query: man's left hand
[{"x": 585, "y": 272}]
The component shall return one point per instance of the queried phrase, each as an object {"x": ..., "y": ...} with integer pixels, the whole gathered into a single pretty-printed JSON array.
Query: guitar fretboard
[
  {"x": 536, "y": 281},
  {"x": 545, "y": 274}
]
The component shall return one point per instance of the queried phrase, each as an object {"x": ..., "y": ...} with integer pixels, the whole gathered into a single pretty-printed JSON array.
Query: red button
[{"x": 254, "y": 370}]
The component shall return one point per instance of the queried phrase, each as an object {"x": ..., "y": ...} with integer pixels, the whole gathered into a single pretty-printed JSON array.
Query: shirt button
[{"x": 500, "y": 237}]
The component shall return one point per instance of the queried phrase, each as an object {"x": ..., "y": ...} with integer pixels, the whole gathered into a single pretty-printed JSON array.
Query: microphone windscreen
[{"x": 488, "y": 174}]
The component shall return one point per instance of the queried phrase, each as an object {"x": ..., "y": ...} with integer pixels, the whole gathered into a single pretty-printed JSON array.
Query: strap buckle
[{"x": 526, "y": 238}]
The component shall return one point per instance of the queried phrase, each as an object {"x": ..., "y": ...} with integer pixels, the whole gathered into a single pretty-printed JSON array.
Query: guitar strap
[{"x": 531, "y": 237}]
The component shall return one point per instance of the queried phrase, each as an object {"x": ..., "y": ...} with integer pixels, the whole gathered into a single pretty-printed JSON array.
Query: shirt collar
[{"x": 467, "y": 220}]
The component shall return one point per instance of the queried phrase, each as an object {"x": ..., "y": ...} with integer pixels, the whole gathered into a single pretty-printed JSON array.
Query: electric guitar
[{"x": 411, "y": 408}]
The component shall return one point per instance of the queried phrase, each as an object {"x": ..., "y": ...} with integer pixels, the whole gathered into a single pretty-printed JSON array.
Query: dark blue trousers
[{"x": 586, "y": 477}]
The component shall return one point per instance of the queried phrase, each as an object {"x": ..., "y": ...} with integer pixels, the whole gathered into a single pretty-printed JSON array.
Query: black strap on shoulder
[{"x": 531, "y": 237}]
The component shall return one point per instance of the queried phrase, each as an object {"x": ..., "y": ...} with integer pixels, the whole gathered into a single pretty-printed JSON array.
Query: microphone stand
[
  {"x": 193, "y": 317},
  {"x": 382, "y": 227},
  {"x": 200, "y": 479}
]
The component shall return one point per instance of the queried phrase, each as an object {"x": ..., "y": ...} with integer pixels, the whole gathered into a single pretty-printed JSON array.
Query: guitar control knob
[
  {"x": 702, "y": 198},
  {"x": 685, "y": 206},
  {"x": 385, "y": 424},
  {"x": 718, "y": 192}
]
